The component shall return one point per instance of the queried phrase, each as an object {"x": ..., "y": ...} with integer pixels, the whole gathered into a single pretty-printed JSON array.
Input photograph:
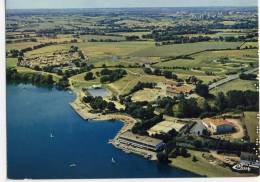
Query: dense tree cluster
[
  {"x": 188, "y": 108},
  {"x": 236, "y": 99},
  {"x": 63, "y": 83},
  {"x": 98, "y": 103},
  {"x": 202, "y": 90},
  {"x": 89, "y": 76},
  {"x": 109, "y": 76},
  {"x": 142, "y": 110},
  {"x": 167, "y": 104},
  {"x": 142, "y": 127},
  {"x": 159, "y": 72},
  {"x": 140, "y": 86},
  {"x": 35, "y": 78}
]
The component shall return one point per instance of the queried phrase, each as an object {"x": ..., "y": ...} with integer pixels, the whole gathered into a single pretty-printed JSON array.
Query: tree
[
  {"x": 111, "y": 106},
  {"x": 221, "y": 102},
  {"x": 188, "y": 108},
  {"x": 162, "y": 158},
  {"x": 250, "y": 76},
  {"x": 88, "y": 99},
  {"x": 197, "y": 143},
  {"x": 167, "y": 74},
  {"x": 202, "y": 90},
  {"x": 184, "y": 152},
  {"x": 81, "y": 55},
  {"x": 206, "y": 107},
  {"x": 168, "y": 109},
  {"x": 170, "y": 146},
  {"x": 194, "y": 159},
  {"x": 89, "y": 76},
  {"x": 50, "y": 79}
]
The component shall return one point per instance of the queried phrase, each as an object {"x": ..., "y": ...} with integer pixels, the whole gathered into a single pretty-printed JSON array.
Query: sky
[{"x": 38, "y": 4}]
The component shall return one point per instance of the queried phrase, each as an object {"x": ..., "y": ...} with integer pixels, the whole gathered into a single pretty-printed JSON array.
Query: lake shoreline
[{"x": 83, "y": 110}]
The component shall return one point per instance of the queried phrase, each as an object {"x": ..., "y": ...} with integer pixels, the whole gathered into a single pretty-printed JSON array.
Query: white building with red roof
[{"x": 218, "y": 125}]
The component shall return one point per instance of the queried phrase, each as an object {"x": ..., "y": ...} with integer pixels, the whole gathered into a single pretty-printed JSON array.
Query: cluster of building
[
  {"x": 57, "y": 58},
  {"x": 178, "y": 90}
]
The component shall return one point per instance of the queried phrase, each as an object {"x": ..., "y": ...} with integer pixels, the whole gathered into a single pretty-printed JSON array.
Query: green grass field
[
  {"x": 236, "y": 85},
  {"x": 11, "y": 62},
  {"x": 202, "y": 166},
  {"x": 97, "y": 49},
  {"x": 183, "y": 49}
]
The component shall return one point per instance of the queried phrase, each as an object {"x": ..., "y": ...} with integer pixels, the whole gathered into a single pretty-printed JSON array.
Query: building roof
[
  {"x": 141, "y": 139},
  {"x": 165, "y": 127},
  {"x": 217, "y": 121}
]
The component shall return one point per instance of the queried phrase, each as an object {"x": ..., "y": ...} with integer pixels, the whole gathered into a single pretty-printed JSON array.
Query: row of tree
[
  {"x": 35, "y": 78},
  {"x": 140, "y": 86},
  {"x": 250, "y": 76},
  {"x": 158, "y": 72}
]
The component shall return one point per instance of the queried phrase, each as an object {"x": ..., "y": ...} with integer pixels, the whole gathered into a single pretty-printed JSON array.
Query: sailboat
[
  {"x": 113, "y": 160},
  {"x": 51, "y": 135}
]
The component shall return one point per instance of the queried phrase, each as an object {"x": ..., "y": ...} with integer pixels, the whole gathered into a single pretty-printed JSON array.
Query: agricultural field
[
  {"x": 236, "y": 85},
  {"x": 97, "y": 49},
  {"x": 184, "y": 49}
]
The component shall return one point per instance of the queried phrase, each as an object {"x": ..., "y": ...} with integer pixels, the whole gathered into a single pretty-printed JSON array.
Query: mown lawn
[{"x": 251, "y": 123}]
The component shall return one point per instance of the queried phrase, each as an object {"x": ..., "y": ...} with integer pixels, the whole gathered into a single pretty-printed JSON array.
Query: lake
[{"x": 77, "y": 148}]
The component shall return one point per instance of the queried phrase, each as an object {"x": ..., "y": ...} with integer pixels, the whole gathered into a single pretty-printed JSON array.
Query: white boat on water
[
  {"x": 113, "y": 160},
  {"x": 73, "y": 165},
  {"x": 51, "y": 135}
]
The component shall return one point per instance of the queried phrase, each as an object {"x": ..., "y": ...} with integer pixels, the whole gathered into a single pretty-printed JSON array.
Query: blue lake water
[{"x": 33, "y": 113}]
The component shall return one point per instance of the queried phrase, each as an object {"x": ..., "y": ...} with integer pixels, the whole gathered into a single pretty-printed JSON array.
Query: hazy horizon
[{"x": 87, "y": 4}]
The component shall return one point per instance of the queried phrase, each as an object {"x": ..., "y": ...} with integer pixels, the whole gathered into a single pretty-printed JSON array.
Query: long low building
[{"x": 143, "y": 142}]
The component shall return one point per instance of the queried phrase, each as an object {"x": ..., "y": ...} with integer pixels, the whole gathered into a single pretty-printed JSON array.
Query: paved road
[{"x": 229, "y": 78}]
